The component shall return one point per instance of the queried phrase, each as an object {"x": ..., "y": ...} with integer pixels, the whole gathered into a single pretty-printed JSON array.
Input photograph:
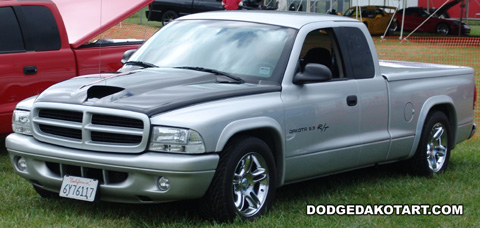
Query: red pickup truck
[{"x": 44, "y": 42}]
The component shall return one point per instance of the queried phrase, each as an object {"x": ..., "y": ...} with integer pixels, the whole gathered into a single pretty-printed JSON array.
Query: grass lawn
[
  {"x": 475, "y": 27},
  {"x": 140, "y": 18},
  {"x": 22, "y": 207}
]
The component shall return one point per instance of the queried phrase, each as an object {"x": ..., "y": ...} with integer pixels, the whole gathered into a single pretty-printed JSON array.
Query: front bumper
[
  {"x": 466, "y": 30},
  {"x": 126, "y": 178}
]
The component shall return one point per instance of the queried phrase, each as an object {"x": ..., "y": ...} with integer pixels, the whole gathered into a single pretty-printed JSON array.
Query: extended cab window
[
  {"x": 358, "y": 51},
  {"x": 321, "y": 47},
  {"x": 43, "y": 28},
  {"x": 11, "y": 39}
]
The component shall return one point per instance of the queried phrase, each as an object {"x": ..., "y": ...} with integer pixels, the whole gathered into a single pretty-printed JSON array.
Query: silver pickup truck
[{"x": 226, "y": 107}]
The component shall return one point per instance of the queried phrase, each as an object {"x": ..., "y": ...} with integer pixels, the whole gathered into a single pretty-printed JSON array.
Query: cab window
[
  {"x": 357, "y": 52},
  {"x": 11, "y": 39},
  {"x": 43, "y": 27}
]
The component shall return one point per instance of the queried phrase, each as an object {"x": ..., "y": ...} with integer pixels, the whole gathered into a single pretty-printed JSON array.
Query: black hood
[{"x": 149, "y": 91}]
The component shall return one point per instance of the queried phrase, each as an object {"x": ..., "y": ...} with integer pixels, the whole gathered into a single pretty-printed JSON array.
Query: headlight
[
  {"x": 21, "y": 122},
  {"x": 457, "y": 23},
  {"x": 176, "y": 140}
]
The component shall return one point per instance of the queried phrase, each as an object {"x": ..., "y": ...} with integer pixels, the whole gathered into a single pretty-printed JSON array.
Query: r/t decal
[{"x": 321, "y": 128}]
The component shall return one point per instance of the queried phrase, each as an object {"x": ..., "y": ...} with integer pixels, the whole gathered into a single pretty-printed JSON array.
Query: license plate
[{"x": 79, "y": 188}]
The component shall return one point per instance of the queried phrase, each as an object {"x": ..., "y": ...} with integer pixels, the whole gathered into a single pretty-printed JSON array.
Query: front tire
[
  {"x": 244, "y": 183},
  {"x": 433, "y": 152},
  {"x": 442, "y": 28}
]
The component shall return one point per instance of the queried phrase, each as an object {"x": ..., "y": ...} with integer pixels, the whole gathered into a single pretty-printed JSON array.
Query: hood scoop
[{"x": 99, "y": 92}]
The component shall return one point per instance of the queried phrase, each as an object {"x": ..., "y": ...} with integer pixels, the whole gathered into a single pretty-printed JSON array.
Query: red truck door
[{"x": 34, "y": 54}]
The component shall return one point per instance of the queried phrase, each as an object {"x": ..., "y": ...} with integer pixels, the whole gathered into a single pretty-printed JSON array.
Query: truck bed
[
  {"x": 418, "y": 84},
  {"x": 393, "y": 70}
]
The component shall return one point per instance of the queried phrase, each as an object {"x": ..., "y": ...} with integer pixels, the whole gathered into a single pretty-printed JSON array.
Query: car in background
[
  {"x": 415, "y": 16},
  {"x": 376, "y": 18},
  {"x": 168, "y": 10}
]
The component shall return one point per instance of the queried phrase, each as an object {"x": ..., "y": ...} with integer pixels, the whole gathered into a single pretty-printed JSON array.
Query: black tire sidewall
[
  {"x": 419, "y": 164},
  {"x": 440, "y": 25},
  {"x": 220, "y": 194},
  {"x": 168, "y": 14}
]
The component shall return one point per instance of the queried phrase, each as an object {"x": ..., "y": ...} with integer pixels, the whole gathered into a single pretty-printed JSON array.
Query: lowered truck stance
[{"x": 226, "y": 107}]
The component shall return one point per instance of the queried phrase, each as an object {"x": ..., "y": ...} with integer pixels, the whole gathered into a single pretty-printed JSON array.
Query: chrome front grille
[{"x": 91, "y": 128}]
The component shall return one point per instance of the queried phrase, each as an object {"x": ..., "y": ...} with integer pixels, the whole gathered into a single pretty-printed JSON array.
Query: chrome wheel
[
  {"x": 433, "y": 152},
  {"x": 244, "y": 183},
  {"x": 250, "y": 184},
  {"x": 442, "y": 28},
  {"x": 437, "y": 147}
]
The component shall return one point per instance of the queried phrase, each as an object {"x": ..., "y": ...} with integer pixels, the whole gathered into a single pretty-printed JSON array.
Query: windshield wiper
[
  {"x": 141, "y": 64},
  {"x": 215, "y": 72}
]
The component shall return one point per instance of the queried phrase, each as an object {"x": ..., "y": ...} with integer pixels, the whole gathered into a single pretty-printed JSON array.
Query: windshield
[
  {"x": 350, "y": 12},
  {"x": 247, "y": 50}
]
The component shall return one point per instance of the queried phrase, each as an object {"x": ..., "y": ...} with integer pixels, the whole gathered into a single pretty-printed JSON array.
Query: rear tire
[
  {"x": 244, "y": 183},
  {"x": 433, "y": 152}
]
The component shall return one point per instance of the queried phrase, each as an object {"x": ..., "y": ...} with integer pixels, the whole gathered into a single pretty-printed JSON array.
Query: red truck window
[
  {"x": 43, "y": 28},
  {"x": 11, "y": 39}
]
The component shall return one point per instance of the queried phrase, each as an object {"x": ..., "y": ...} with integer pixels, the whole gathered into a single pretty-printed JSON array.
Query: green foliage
[{"x": 387, "y": 184}]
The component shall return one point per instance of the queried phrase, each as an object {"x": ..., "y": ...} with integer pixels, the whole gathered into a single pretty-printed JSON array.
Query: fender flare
[
  {"x": 426, "y": 108},
  {"x": 249, "y": 124}
]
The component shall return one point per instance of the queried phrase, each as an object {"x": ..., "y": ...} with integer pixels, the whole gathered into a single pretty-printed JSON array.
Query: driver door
[{"x": 322, "y": 119}]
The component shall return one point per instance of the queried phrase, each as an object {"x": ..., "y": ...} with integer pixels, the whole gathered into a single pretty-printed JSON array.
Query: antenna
[{"x": 100, "y": 46}]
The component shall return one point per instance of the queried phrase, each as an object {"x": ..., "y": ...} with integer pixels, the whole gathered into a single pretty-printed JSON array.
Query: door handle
[
  {"x": 30, "y": 70},
  {"x": 352, "y": 100}
]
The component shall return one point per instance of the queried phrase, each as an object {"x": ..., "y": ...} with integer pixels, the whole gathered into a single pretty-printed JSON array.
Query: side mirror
[
  {"x": 313, "y": 72},
  {"x": 127, "y": 55},
  {"x": 378, "y": 16}
]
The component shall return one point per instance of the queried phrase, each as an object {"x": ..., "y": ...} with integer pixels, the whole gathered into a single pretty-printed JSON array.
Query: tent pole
[{"x": 403, "y": 18}]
